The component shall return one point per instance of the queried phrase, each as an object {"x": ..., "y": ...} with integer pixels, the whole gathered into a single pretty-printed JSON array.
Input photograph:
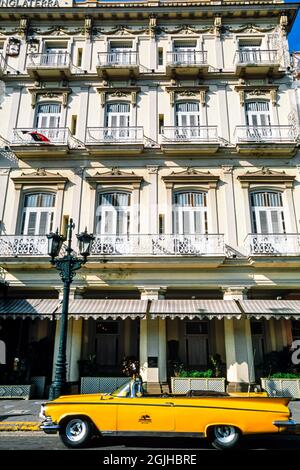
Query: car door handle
[{"x": 169, "y": 403}]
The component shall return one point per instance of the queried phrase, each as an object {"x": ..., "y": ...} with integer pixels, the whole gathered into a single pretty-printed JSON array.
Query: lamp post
[{"x": 66, "y": 265}]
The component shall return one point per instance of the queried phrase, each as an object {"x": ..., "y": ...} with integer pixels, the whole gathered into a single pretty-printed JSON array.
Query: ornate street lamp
[{"x": 66, "y": 265}]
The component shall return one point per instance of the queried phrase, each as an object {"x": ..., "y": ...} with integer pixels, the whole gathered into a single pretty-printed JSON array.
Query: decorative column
[
  {"x": 83, "y": 113},
  {"x": 246, "y": 206},
  {"x": 169, "y": 208},
  {"x": 153, "y": 342},
  {"x": 213, "y": 212},
  {"x": 231, "y": 235},
  {"x": 4, "y": 178},
  {"x": 238, "y": 347},
  {"x": 292, "y": 228},
  {"x": 153, "y": 199},
  {"x": 135, "y": 222}
]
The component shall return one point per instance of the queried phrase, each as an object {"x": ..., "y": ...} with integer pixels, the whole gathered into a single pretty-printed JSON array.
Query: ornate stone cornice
[
  {"x": 118, "y": 92},
  {"x": 115, "y": 176},
  {"x": 40, "y": 176},
  {"x": 190, "y": 176},
  {"x": 61, "y": 93},
  {"x": 250, "y": 91},
  {"x": 265, "y": 175},
  {"x": 198, "y": 91}
]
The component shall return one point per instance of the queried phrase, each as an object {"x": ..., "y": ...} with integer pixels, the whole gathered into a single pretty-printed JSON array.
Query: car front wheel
[
  {"x": 224, "y": 436},
  {"x": 76, "y": 432}
]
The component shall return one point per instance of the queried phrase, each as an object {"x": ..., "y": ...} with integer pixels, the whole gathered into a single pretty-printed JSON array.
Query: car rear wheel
[
  {"x": 224, "y": 436},
  {"x": 76, "y": 431}
]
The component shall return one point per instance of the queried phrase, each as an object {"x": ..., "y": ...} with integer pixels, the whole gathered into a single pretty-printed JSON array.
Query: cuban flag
[{"x": 38, "y": 137}]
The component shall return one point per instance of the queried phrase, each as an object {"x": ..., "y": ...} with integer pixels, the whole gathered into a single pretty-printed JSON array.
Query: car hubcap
[
  {"x": 75, "y": 430},
  {"x": 224, "y": 434}
]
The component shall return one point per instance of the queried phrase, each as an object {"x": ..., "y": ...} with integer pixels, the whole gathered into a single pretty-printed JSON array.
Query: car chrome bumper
[
  {"x": 289, "y": 425},
  {"x": 49, "y": 427}
]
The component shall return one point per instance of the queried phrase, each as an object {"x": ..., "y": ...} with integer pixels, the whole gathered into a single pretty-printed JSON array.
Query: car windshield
[{"x": 123, "y": 391}]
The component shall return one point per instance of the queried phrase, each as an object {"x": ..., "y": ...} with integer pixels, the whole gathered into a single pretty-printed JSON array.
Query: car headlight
[{"x": 42, "y": 414}]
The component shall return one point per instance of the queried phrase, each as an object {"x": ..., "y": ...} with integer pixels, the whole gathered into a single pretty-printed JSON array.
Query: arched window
[
  {"x": 48, "y": 115},
  {"x": 258, "y": 113},
  {"x": 267, "y": 212},
  {"x": 113, "y": 213},
  {"x": 117, "y": 115},
  {"x": 38, "y": 214},
  {"x": 190, "y": 215},
  {"x": 187, "y": 114}
]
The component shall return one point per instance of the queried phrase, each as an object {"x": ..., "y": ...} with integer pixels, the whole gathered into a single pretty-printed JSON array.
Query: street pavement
[{"x": 40, "y": 441}]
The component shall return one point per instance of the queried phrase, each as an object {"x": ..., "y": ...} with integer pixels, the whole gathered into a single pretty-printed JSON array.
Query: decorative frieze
[
  {"x": 121, "y": 92},
  {"x": 254, "y": 91},
  {"x": 179, "y": 92},
  {"x": 60, "y": 94},
  {"x": 266, "y": 175}
]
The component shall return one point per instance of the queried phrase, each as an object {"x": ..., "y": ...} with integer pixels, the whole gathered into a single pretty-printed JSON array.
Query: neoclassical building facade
[{"x": 170, "y": 130}]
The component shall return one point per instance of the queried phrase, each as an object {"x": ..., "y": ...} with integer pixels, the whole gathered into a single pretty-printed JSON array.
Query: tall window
[
  {"x": 187, "y": 120},
  {"x": 250, "y": 51},
  {"x": 258, "y": 113},
  {"x": 113, "y": 213},
  {"x": 55, "y": 55},
  {"x": 190, "y": 215},
  {"x": 38, "y": 214},
  {"x": 48, "y": 115},
  {"x": 117, "y": 121},
  {"x": 184, "y": 53},
  {"x": 122, "y": 53},
  {"x": 267, "y": 212}
]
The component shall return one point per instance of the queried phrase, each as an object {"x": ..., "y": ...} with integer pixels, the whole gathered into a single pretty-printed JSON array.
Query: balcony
[
  {"x": 257, "y": 63},
  {"x": 266, "y": 140},
  {"x": 33, "y": 142},
  {"x": 23, "y": 245},
  {"x": 123, "y": 64},
  {"x": 262, "y": 246},
  {"x": 115, "y": 140},
  {"x": 51, "y": 65},
  {"x": 187, "y": 63},
  {"x": 158, "y": 245},
  {"x": 190, "y": 140}
]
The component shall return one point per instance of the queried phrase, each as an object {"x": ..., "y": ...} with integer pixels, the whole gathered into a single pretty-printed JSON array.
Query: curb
[{"x": 20, "y": 426}]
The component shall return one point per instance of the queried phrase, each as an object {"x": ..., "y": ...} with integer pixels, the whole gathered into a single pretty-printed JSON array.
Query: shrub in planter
[
  {"x": 196, "y": 374},
  {"x": 284, "y": 375}
]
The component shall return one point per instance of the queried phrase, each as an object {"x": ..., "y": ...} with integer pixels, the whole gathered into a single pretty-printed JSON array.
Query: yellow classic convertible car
[{"x": 221, "y": 418}]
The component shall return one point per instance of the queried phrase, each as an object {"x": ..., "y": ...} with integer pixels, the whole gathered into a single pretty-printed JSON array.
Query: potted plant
[{"x": 282, "y": 378}]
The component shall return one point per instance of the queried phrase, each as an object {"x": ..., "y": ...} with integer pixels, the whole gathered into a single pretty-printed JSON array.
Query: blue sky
[{"x": 294, "y": 36}]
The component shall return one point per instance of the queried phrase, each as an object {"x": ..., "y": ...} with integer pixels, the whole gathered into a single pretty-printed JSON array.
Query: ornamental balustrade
[{"x": 272, "y": 244}]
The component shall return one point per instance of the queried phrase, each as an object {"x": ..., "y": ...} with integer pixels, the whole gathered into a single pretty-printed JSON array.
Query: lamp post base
[{"x": 56, "y": 390}]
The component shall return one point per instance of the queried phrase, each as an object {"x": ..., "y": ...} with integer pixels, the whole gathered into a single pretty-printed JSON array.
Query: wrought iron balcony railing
[
  {"x": 118, "y": 59},
  {"x": 114, "y": 135},
  {"x": 49, "y": 60},
  {"x": 158, "y": 245},
  {"x": 200, "y": 134},
  {"x": 23, "y": 245},
  {"x": 41, "y": 136},
  {"x": 256, "y": 57},
  {"x": 271, "y": 134},
  {"x": 187, "y": 58},
  {"x": 283, "y": 244}
]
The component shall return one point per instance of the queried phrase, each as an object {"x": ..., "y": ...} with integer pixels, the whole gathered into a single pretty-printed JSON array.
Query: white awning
[
  {"x": 28, "y": 308},
  {"x": 107, "y": 308},
  {"x": 201, "y": 309},
  {"x": 271, "y": 308}
]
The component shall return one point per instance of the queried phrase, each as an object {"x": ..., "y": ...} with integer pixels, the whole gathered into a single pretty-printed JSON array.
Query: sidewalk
[{"x": 23, "y": 415}]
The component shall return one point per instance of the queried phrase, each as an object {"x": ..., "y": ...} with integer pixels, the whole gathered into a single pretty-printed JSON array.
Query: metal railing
[
  {"x": 256, "y": 56},
  {"x": 118, "y": 59},
  {"x": 158, "y": 245},
  {"x": 186, "y": 58},
  {"x": 272, "y": 244},
  {"x": 201, "y": 134},
  {"x": 114, "y": 135},
  {"x": 23, "y": 245},
  {"x": 265, "y": 134},
  {"x": 41, "y": 136},
  {"x": 49, "y": 60}
]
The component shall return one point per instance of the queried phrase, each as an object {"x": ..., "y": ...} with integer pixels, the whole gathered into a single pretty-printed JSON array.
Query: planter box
[
  {"x": 281, "y": 387},
  {"x": 16, "y": 391},
  {"x": 185, "y": 384},
  {"x": 101, "y": 384}
]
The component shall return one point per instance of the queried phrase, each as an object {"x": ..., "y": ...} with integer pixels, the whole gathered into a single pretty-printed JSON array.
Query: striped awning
[
  {"x": 201, "y": 309},
  {"x": 32, "y": 308},
  {"x": 271, "y": 308},
  {"x": 107, "y": 308}
]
